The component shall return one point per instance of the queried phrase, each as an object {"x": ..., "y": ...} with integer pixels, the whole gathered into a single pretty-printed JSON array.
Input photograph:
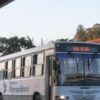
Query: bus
[{"x": 56, "y": 71}]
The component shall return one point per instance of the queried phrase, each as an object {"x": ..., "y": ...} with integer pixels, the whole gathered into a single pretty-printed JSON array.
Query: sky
[{"x": 47, "y": 19}]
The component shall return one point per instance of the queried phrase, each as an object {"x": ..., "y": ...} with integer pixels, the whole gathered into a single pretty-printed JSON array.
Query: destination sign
[
  {"x": 82, "y": 49},
  {"x": 77, "y": 47}
]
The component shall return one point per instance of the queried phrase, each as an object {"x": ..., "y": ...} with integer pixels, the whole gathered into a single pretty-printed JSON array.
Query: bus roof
[
  {"x": 42, "y": 48},
  {"x": 78, "y": 42},
  {"x": 28, "y": 51}
]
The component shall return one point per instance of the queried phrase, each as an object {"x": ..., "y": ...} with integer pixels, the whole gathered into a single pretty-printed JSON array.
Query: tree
[
  {"x": 81, "y": 33},
  {"x": 12, "y": 45},
  {"x": 26, "y": 43},
  {"x": 15, "y": 44}
]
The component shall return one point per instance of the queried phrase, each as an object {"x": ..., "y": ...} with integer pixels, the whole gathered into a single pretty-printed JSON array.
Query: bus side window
[
  {"x": 9, "y": 69},
  {"x": 41, "y": 62},
  {"x": 6, "y": 70},
  {"x": 22, "y": 66},
  {"x": 17, "y": 67},
  {"x": 34, "y": 64},
  {"x": 2, "y": 65},
  {"x": 34, "y": 59},
  {"x": 39, "y": 70},
  {"x": 39, "y": 67},
  {"x": 40, "y": 58},
  {"x": 13, "y": 68},
  {"x": 27, "y": 66}
]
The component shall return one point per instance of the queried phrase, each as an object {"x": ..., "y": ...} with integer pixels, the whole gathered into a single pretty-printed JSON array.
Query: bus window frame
[{"x": 36, "y": 64}]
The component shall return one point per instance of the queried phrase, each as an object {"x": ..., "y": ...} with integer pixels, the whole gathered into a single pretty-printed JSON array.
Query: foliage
[
  {"x": 15, "y": 44},
  {"x": 80, "y": 34},
  {"x": 62, "y": 40},
  {"x": 83, "y": 34}
]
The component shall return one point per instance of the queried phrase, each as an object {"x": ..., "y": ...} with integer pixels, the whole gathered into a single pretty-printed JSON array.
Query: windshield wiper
[
  {"x": 93, "y": 76},
  {"x": 74, "y": 76}
]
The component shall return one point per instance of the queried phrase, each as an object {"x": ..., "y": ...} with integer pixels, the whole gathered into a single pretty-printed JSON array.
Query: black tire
[
  {"x": 1, "y": 96},
  {"x": 38, "y": 97}
]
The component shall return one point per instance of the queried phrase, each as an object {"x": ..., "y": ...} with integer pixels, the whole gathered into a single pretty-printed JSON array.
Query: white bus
[{"x": 56, "y": 71}]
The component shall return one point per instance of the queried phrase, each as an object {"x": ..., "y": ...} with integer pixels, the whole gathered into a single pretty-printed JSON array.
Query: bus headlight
[{"x": 62, "y": 97}]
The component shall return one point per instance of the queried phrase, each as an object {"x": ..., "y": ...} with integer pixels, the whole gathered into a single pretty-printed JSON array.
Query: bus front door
[{"x": 49, "y": 80}]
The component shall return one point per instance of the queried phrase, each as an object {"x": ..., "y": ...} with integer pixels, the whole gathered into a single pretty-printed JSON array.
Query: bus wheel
[
  {"x": 1, "y": 96},
  {"x": 38, "y": 97}
]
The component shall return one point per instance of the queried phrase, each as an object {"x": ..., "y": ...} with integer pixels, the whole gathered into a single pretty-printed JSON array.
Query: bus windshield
[{"x": 78, "y": 69}]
